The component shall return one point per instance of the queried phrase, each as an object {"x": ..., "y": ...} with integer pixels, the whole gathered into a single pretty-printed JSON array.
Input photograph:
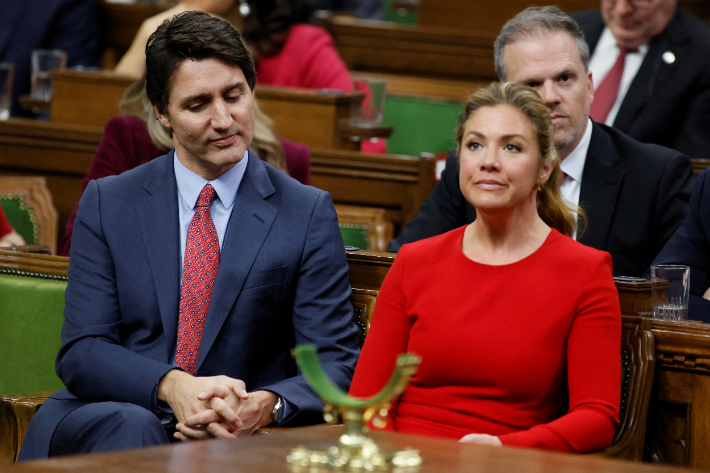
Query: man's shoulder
[
  {"x": 156, "y": 170},
  {"x": 687, "y": 26},
  {"x": 632, "y": 152}
]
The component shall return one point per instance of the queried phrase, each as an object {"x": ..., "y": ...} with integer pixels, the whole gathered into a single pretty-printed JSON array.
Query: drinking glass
[
  {"x": 670, "y": 284},
  {"x": 43, "y": 61},
  {"x": 369, "y": 114}
]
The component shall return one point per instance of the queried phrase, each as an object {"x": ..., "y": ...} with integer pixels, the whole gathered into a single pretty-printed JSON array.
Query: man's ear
[{"x": 163, "y": 117}]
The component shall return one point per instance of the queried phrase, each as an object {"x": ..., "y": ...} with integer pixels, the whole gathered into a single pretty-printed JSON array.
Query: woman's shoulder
[
  {"x": 435, "y": 246},
  {"x": 565, "y": 248},
  {"x": 303, "y": 32}
]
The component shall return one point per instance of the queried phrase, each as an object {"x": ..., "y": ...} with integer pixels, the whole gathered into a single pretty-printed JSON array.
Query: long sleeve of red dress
[{"x": 500, "y": 345}]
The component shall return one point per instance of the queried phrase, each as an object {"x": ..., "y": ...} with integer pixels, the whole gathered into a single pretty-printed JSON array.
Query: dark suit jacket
[
  {"x": 666, "y": 104},
  {"x": 282, "y": 281},
  {"x": 635, "y": 196},
  {"x": 690, "y": 245},
  {"x": 69, "y": 25}
]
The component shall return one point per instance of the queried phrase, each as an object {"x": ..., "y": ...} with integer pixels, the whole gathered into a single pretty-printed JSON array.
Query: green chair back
[
  {"x": 420, "y": 124},
  {"x": 402, "y": 16},
  {"x": 21, "y": 216},
  {"x": 31, "y": 319},
  {"x": 355, "y": 235}
]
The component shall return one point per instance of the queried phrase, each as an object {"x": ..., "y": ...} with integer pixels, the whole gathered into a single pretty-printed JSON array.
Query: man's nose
[
  {"x": 221, "y": 116},
  {"x": 549, "y": 93},
  {"x": 623, "y": 7}
]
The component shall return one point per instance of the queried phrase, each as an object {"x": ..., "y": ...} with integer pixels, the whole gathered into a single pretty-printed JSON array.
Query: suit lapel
[
  {"x": 249, "y": 225},
  {"x": 160, "y": 229},
  {"x": 600, "y": 187},
  {"x": 653, "y": 72}
]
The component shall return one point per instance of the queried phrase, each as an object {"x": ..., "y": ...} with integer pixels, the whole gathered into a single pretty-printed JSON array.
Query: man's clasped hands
[{"x": 216, "y": 406}]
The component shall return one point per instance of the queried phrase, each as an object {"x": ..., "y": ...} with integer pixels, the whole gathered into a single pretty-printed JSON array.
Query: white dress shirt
[{"x": 573, "y": 167}]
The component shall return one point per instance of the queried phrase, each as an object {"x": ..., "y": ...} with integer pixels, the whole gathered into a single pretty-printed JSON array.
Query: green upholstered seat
[
  {"x": 420, "y": 124},
  {"x": 31, "y": 307}
]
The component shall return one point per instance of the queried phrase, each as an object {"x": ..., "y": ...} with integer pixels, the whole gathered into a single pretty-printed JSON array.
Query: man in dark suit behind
[
  {"x": 634, "y": 195},
  {"x": 70, "y": 25},
  {"x": 145, "y": 356},
  {"x": 664, "y": 93},
  {"x": 690, "y": 245}
]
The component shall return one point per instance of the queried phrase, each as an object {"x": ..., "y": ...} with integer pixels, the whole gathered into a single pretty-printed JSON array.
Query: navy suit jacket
[
  {"x": 635, "y": 196},
  {"x": 69, "y": 25},
  {"x": 282, "y": 281},
  {"x": 666, "y": 104},
  {"x": 690, "y": 245}
]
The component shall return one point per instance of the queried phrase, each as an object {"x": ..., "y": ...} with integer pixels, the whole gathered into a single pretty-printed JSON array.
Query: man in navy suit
[
  {"x": 690, "y": 246},
  {"x": 282, "y": 275},
  {"x": 664, "y": 93},
  {"x": 634, "y": 195}
]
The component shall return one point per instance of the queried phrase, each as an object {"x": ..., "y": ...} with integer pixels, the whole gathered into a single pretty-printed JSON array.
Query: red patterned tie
[
  {"x": 605, "y": 95},
  {"x": 198, "y": 275}
]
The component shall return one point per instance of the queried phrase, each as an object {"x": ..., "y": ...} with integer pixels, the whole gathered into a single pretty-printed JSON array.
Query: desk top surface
[{"x": 268, "y": 453}]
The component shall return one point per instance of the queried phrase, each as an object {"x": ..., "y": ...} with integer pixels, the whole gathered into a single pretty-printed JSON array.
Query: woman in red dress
[{"x": 509, "y": 314}]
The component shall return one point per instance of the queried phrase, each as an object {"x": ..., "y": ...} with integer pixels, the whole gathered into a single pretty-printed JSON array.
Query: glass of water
[
  {"x": 43, "y": 61},
  {"x": 670, "y": 284}
]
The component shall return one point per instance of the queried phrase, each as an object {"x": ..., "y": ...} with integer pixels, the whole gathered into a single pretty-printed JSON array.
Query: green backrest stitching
[{"x": 21, "y": 216}]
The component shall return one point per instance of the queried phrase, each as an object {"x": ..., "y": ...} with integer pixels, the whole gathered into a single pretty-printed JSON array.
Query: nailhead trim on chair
[{"x": 32, "y": 274}]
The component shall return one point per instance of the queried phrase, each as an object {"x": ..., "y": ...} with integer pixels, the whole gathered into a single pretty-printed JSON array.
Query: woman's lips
[{"x": 490, "y": 185}]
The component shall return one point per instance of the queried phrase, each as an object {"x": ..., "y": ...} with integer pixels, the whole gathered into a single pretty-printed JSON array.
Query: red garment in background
[
  {"x": 307, "y": 59},
  {"x": 127, "y": 144},
  {"x": 500, "y": 345},
  {"x": 5, "y": 226}
]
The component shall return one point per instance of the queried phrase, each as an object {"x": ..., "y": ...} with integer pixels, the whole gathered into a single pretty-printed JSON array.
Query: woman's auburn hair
[{"x": 551, "y": 206}]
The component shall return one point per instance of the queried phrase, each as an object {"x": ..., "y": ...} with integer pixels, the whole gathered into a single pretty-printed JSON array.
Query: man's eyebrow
[{"x": 206, "y": 97}]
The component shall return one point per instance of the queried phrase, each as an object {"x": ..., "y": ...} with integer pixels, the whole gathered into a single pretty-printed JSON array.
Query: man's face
[
  {"x": 550, "y": 64},
  {"x": 636, "y": 22},
  {"x": 211, "y": 113}
]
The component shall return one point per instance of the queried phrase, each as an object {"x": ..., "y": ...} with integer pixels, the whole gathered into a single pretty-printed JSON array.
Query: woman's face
[{"x": 500, "y": 160}]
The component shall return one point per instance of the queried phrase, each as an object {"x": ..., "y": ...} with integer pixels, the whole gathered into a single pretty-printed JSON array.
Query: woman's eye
[
  {"x": 512, "y": 148},
  {"x": 474, "y": 145}
]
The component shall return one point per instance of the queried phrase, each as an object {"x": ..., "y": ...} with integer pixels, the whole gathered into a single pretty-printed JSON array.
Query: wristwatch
[{"x": 277, "y": 410}]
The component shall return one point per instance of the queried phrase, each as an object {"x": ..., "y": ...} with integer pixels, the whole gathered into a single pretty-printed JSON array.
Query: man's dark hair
[{"x": 191, "y": 35}]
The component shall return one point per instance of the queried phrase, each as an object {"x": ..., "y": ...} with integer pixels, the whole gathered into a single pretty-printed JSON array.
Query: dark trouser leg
[{"x": 105, "y": 427}]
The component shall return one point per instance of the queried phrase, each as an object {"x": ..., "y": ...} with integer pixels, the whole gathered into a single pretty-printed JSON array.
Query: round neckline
[{"x": 507, "y": 265}]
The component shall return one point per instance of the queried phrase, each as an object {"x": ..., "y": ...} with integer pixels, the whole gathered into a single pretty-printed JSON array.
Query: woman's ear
[{"x": 545, "y": 172}]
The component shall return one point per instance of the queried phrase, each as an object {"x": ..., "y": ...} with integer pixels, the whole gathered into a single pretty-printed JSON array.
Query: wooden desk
[
  {"x": 267, "y": 453},
  {"x": 397, "y": 183},
  {"x": 412, "y": 50},
  {"x": 307, "y": 116}
]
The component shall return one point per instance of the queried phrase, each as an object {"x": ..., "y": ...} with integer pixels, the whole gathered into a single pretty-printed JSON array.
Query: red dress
[{"x": 500, "y": 345}]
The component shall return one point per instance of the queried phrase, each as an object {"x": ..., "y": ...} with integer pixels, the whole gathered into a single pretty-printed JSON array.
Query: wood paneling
[
  {"x": 397, "y": 183},
  {"x": 60, "y": 153},
  {"x": 413, "y": 50}
]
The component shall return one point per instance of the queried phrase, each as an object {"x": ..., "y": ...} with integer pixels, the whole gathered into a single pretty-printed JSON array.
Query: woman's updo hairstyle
[{"x": 551, "y": 206}]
